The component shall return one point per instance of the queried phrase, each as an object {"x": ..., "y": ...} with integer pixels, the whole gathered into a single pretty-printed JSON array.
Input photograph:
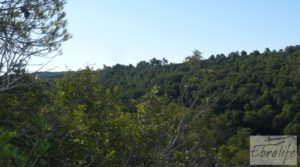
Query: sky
[{"x": 129, "y": 31}]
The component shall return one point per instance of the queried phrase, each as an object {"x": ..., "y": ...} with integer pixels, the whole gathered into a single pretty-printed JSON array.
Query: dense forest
[{"x": 195, "y": 113}]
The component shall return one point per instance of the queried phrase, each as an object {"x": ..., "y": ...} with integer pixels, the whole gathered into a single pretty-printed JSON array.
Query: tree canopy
[
  {"x": 153, "y": 114},
  {"x": 28, "y": 28}
]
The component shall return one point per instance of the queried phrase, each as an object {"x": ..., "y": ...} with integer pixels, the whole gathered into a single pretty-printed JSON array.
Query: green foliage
[
  {"x": 194, "y": 59},
  {"x": 9, "y": 154},
  {"x": 27, "y": 29},
  {"x": 155, "y": 114},
  {"x": 236, "y": 150}
]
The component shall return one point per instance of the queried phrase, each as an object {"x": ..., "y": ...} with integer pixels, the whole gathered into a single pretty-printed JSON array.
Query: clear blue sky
[{"x": 128, "y": 31}]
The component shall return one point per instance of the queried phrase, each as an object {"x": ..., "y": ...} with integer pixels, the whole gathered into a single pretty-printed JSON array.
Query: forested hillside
[
  {"x": 243, "y": 86},
  {"x": 196, "y": 113}
]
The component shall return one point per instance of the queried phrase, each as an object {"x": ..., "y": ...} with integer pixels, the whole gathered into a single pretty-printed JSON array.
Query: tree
[
  {"x": 27, "y": 29},
  {"x": 142, "y": 64},
  {"x": 233, "y": 55},
  {"x": 155, "y": 61},
  {"x": 243, "y": 53},
  {"x": 164, "y": 61},
  {"x": 195, "y": 58},
  {"x": 212, "y": 57},
  {"x": 267, "y": 51}
]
